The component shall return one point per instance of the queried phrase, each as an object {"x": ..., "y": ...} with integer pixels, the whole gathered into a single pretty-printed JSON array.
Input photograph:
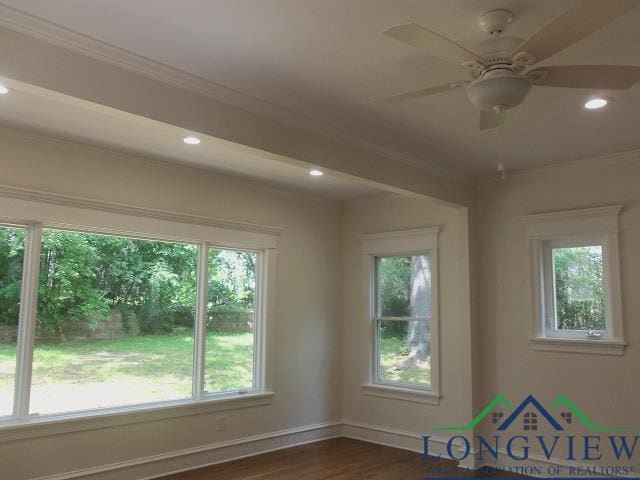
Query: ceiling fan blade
[
  {"x": 432, "y": 43},
  {"x": 607, "y": 77},
  {"x": 491, "y": 119},
  {"x": 423, "y": 92},
  {"x": 580, "y": 20}
]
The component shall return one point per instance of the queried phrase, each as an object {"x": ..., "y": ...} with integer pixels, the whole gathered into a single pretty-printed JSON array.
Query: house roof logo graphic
[
  {"x": 530, "y": 401},
  {"x": 532, "y": 406}
]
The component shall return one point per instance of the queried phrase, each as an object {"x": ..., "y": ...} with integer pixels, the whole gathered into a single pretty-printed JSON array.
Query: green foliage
[
  {"x": 68, "y": 288},
  {"x": 11, "y": 259},
  {"x": 153, "y": 283},
  {"x": 395, "y": 286},
  {"x": 579, "y": 288},
  {"x": 231, "y": 281}
]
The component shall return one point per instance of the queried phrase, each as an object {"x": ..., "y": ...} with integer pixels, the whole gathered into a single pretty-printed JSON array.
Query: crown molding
[
  {"x": 118, "y": 208},
  {"x": 37, "y": 27},
  {"x": 560, "y": 167}
]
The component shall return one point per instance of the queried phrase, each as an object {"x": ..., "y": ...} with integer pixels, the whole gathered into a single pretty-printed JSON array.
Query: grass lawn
[
  {"x": 88, "y": 374},
  {"x": 393, "y": 351},
  {"x": 85, "y": 374}
]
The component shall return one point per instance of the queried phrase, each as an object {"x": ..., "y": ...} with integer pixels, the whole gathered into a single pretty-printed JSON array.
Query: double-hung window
[
  {"x": 93, "y": 320},
  {"x": 403, "y": 305},
  {"x": 577, "y": 301}
]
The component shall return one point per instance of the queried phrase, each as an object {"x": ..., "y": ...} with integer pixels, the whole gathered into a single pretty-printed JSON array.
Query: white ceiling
[
  {"x": 64, "y": 117},
  {"x": 326, "y": 57}
]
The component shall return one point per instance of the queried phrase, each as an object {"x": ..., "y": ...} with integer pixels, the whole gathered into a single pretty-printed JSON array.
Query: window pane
[
  {"x": 230, "y": 320},
  {"x": 405, "y": 352},
  {"x": 12, "y": 242},
  {"x": 579, "y": 288},
  {"x": 115, "y": 322},
  {"x": 404, "y": 286}
]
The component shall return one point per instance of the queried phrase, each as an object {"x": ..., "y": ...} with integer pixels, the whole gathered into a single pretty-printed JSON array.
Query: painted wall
[
  {"x": 306, "y": 357},
  {"x": 390, "y": 213},
  {"x": 606, "y": 388}
]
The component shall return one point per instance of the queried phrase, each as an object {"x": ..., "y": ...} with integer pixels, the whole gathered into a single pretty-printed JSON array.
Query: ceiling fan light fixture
[
  {"x": 3, "y": 90},
  {"x": 596, "y": 103},
  {"x": 504, "y": 91}
]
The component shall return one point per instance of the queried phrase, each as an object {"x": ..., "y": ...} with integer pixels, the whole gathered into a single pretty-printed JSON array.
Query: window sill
[
  {"x": 401, "y": 393},
  {"x": 76, "y": 422},
  {"x": 568, "y": 345}
]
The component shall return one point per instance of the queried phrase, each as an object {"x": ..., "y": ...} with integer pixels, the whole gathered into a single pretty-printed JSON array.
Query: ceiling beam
[{"x": 28, "y": 59}]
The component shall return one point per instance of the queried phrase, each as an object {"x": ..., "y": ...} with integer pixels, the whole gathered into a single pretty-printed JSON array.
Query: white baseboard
[
  {"x": 404, "y": 440},
  {"x": 147, "y": 468}
]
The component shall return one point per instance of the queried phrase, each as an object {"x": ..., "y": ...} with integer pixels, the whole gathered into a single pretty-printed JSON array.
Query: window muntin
[
  {"x": 115, "y": 322},
  {"x": 195, "y": 390},
  {"x": 403, "y": 320},
  {"x": 231, "y": 314},
  {"x": 12, "y": 247}
]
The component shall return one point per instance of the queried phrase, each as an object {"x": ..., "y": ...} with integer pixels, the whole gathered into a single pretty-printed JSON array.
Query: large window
[
  {"x": 116, "y": 321},
  {"x": 403, "y": 308}
]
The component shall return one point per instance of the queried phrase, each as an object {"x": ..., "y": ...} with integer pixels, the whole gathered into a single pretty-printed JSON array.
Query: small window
[
  {"x": 577, "y": 302},
  {"x": 403, "y": 319},
  {"x": 576, "y": 299}
]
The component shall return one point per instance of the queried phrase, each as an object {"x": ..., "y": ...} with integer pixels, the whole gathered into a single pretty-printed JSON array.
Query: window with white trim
[
  {"x": 93, "y": 321},
  {"x": 576, "y": 279},
  {"x": 404, "y": 313}
]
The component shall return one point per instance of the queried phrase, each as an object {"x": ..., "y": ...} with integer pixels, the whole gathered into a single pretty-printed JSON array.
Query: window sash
[
  {"x": 376, "y": 364},
  {"x": 28, "y": 315},
  {"x": 550, "y": 316},
  {"x": 377, "y": 319}
]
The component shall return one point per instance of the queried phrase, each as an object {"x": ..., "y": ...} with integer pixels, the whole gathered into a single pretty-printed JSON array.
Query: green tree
[
  {"x": 579, "y": 288},
  {"x": 68, "y": 289},
  {"x": 12, "y": 241}
]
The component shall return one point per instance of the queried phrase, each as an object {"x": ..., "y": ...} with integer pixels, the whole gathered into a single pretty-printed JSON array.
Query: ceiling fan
[{"x": 502, "y": 68}]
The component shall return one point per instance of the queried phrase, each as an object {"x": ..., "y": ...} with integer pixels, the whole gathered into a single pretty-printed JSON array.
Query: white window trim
[
  {"x": 34, "y": 210},
  {"x": 593, "y": 226},
  {"x": 402, "y": 242}
]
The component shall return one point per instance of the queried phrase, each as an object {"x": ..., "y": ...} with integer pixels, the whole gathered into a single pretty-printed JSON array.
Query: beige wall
[
  {"x": 390, "y": 213},
  {"x": 605, "y": 388},
  {"x": 306, "y": 357}
]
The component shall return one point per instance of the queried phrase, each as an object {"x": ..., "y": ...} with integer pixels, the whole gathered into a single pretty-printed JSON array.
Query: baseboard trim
[
  {"x": 154, "y": 466},
  {"x": 402, "y": 439}
]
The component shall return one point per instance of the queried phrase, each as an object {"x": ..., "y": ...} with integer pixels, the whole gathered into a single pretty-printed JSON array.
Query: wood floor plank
[{"x": 335, "y": 459}]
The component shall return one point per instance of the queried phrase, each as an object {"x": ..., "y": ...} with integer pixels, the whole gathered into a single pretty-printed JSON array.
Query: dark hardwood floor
[{"x": 336, "y": 459}]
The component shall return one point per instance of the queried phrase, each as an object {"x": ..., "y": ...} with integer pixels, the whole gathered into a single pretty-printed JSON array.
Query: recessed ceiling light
[
  {"x": 3, "y": 90},
  {"x": 316, "y": 173},
  {"x": 596, "y": 103},
  {"x": 191, "y": 140}
]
